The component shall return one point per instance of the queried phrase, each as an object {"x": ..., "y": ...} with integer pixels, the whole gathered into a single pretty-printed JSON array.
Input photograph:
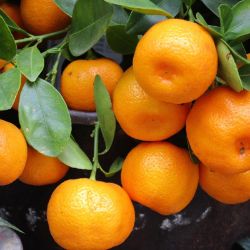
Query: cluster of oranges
[{"x": 169, "y": 86}]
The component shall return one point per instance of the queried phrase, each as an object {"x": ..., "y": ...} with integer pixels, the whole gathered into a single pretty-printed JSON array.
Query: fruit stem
[
  {"x": 96, "y": 153},
  {"x": 42, "y": 37}
]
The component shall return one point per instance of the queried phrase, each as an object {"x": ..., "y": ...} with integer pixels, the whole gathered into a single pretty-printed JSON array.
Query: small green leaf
[
  {"x": 74, "y": 157},
  {"x": 245, "y": 76},
  {"x": 141, "y": 6},
  {"x": 239, "y": 28},
  {"x": 119, "y": 16},
  {"x": 213, "y": 5},
  {"x": 115, "y": 167},
  {"x": 67, "y": 6},
  {"x": 228, "y": 68},
  {"x": 120, "y": 41},
  {"x": 189, "y": 3},
  {"x": 85, "y": 32},
  {"x": 30, "y": 62},
  {"x": 105, "y": 114},
  {"x": 9, "y": 85},
  {"x": 7, "y": 42},
  {"x": 44, "y": 118},
  {"x": 225, "y": 13},
  {"x": 5, "y": 223}
]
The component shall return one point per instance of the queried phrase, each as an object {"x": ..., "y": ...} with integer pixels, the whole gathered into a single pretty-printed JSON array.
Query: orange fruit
[
  {"x": 228, "y": 189},
  {"x": 161, "y": 176},
  {"x": 13, "y": 152},
  {"x": 175, "y": 61},
  {"x": 218, "y": 130},
  {"x": 43, "y": 16},
  {"x": 143, "y": 117},
  {"x": 23, "y": 80},
  {"x": 77, "y": 82},
  {"x": 85, "y": 214},
  {"x": 42, "y": 170}
]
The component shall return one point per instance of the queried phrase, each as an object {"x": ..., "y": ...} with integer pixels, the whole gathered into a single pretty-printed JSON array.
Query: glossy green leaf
[
  {"x": 225, "y": 13},
  {"x": 239, "y": 28},
  {"x": 213, "y": 5},
  {"x": 120, "y": 16},
  {"x": 44, "y": 118},
  {"x": 7, "y": 42},
  {"x": 104, "y": 111},
  {"x": 9, "y": 85},
  {"x": 227, "y": 67},
  {"x": 30, "y": 62},
  {"x": 5, "y": 223},
  {"x": 115, "y": 167},
  {"x": 245, "y": 76},
  {"x": 67, "y": 6},
  {"x": 74, "y": 157},
  {"x": 141, "y": 6},
  {"x": 89, "y": 23},
  {"x": 120, "y": 41}
]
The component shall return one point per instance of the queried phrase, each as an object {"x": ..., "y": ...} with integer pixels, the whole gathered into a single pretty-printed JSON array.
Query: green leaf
[
  {"x": 213, "y": 5},
  {"x": 85, "y": 32},
  {"x": 9, "y": 85},
  {"x": 245, "y": 76},
  {"x": 189, "y": 3},
  {"x": 115, "y": 167},
  {"x": 215, "y": 31},
  {"x": 5, "y": 223},
  {"x": 120, "y": 41},
  {"x": 239, "y": 28},
  {"x": 30, "y": 62},
  {"x": 74, "y": 157},
  {"x": 225, "y": 13},
  {"x": 7, "y": 42},
  {"x": 105, "y": 114},
  {"x": 44, "y": 118},
  {"x": 67, "y": 6},
  {"x": 228, "y": 68},
  {"x": 119, "y": 16},
  {"x": 139, "y": 23},
  {"x": 141, "y": 6}
]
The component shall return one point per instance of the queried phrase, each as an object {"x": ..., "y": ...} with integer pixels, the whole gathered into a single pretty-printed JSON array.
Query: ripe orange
[
  {"x": 143, "y": 117},
  {"x": 23, "y": 80},
  {"x": 43, "y": 16},
  {"x": 218, "y": 130},
  {"x": 228, "y": 189},
  {"x": 85, "y": 214},
  {"x": 175, "y": 61},
  {"x": 78, "y": 79},
  {"x": 160, "y": 176},
  {"x": 13, "y": 152},
  {"x": 42, "y": 170}
]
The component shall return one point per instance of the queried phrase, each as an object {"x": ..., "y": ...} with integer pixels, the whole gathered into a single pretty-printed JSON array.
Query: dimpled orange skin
[
  {"x": 175, "y": 61},
  {"x": 149, "y": 119},
  {"x": 218, "y": 130},
  {"x": 43, "y": 16},
  {"x": 23, "y": 80},
  {"x": 228, "y": 189},
  {"x": 160, "y": 176},
  {"x": 84, "y": 214},
  {"x": 13, "y": 152},
  {"x": 42, "y": 170},
  {"x": 77, "y": 82}
]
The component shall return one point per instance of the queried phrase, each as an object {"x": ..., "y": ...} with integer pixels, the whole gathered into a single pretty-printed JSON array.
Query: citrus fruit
[
  {"x": 87, "y": 214},
  {"x": 143, "y": 117},
  {"x": 13, "y": 152},
  {"x": 42, "y": 170},
  {"x": 228, "y": 189},
  {"x": 23, "y": 80},
  {"x": 175, "y": 61},
  {"x": 43, "y": 16},
  {"x": 218, "y": 130},
  {"x": 161, "y": 176},
  {"x": 77, "y": 82}
]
